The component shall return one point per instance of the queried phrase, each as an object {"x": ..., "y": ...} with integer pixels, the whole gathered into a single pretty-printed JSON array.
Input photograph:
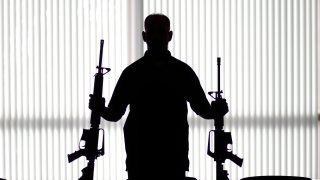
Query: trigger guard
[{"x": 101, "y": 150}]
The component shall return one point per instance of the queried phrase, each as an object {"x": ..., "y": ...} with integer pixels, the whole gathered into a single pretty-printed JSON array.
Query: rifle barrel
[
  {"x": 219, "y": 63},
  {"x": 100, "y": 56}
]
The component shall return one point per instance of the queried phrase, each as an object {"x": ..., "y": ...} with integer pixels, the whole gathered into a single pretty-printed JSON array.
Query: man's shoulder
[
  {"x": 174, "y": 62},
  {"x": 133, "y": 66},
  {"x": 182, "y": 65},
  {"x": 179, "y": 62}
]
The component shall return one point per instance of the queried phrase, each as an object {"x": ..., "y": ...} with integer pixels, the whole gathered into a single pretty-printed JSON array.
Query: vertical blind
[
  {"x": 270, "y": 54},
  {"x": 49, "y": 51}
]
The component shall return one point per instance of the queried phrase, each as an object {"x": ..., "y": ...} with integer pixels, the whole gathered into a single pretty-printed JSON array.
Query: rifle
[
  {"x": 221, "y": 139},
  {"x": 91, "y": 136}
]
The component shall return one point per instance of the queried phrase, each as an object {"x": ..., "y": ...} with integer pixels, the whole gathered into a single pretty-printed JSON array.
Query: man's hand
[
  {"x": 219, "y": 108},
  {"x": 96, "y": 104}
]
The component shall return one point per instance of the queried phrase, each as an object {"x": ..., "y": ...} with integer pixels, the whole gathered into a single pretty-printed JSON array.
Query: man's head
[{"x": 157, "y": 32}]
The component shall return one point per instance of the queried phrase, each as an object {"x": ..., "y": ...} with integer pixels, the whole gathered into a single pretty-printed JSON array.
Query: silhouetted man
[{"x": 157, "y": 87}]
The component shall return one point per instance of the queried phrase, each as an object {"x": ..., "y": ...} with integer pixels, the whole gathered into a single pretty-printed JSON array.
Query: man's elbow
[
  {"x": 112, "y": 116},
  {"x": 113, "y": 119},
  {"x": 208, "y": 116}
]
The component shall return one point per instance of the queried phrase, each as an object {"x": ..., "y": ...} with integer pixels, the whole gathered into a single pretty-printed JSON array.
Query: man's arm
[
  {"x": 196, "y": 96},
  {"x": 118, "y": 102},
  {"x": 198, "y": 101}
]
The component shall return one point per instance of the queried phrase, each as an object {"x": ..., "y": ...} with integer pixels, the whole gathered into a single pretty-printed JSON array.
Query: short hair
[{"x": 152, "y": 18}]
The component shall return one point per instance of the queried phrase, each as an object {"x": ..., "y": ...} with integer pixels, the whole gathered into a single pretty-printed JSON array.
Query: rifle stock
[
  {"x": 75, "y": 155},
  {"x": 234, "y": 158}
]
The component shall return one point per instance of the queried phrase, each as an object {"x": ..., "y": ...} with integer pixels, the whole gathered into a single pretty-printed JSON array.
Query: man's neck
[{"x": 158, "y": 53}]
